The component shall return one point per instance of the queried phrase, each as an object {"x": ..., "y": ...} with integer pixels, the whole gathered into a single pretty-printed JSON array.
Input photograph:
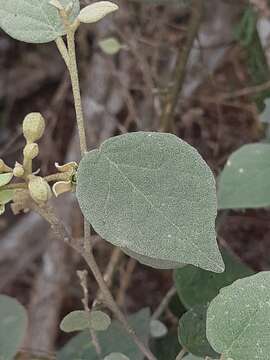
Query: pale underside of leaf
[
  {"x": 238, "y": 319},
  {"x": 152, "y": 194},
  {"x": 33, "y": 21}
]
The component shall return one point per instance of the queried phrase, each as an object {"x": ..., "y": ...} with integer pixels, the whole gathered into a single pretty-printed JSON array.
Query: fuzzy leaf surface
[
  {"x": 153, "y": 194},
  {"x": 238, "y": 323},
  {"x": 34, "y": 21}
]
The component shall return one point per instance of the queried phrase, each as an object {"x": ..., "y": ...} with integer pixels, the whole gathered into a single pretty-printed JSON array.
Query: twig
[
  {"x": 181, "y": 354},
  {"x": 245, "y": 92},
  {"x": 161, "y": 308},
  {"x": 86, "y": 251},
  {"x": 62, "y": 233},
  {"x": 125, "y": 281},
  {"x": 180, "y": 70},
  {"x": 107, "y": 276},
  {"x": 85, "y": 300}
]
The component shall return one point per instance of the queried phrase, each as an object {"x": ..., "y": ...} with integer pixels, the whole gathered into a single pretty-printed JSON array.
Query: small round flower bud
[
  {"x": 39, "y": 189},
  {"x": 31, "y": 151},
  {"x": 33, "y": 127},
  {"x": 18, "y": 170}
]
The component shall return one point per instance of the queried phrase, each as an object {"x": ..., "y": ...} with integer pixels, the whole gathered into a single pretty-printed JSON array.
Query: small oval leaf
[
  {"x": 116, "y": 356},
  {"x": 99, "y": 321},
  {"x": 13, "y": 324},
  {"x": 75, "y": 321},
  {"x": 157, "y": 329},
  {"x": 238, "y": 323},
  {"x": 110, "y": 46},
  {"x": 79, "y": 320},
  {"x": 153, "y": 194},
  {"x": 5, "y": 178},
  {"x": 97, "y": 11},
  {"x": 192, "y": 332},
  {"x": 34, "y": 21}
]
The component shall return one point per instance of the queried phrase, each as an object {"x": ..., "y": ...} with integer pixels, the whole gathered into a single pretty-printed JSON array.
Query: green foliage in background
[
  {"x": 247, "y": 35},
  {"x": 13, "y": 325},
  {"x": 192, "y": 332},
  {"x": 238, "y": 323},
  {"x": 244, "y": 182},
  {"x": 197, "y": 286}
]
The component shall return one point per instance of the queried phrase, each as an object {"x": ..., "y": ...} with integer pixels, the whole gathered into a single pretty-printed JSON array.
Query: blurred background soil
[{"x": 217, "y": 112}]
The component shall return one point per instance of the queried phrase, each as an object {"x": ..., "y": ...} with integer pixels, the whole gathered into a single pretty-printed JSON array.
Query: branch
[
  {"x": 60, "y": 230},
  {"x": 180, "y": 70}
]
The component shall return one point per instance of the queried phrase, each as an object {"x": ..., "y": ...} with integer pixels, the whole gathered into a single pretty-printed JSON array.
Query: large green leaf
[
  {"x": 244, "y": 182},
  {"x": 13, "y": 324},
  {"x": 115, "y": 339},
  {"x": 238, "y": 319},
  {"x": 153, "y": 194},
  {"x": 192, "y": 332},
  {"x": 197, "y": 286},
  {"x": 34, "y": 21}
]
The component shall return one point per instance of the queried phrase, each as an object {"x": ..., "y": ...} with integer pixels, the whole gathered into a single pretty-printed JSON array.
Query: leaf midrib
[{"x": 158, "y": 210}]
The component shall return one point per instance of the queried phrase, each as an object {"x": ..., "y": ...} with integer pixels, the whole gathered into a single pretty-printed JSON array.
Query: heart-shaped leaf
[
  {"x": 244, "y": 181},
  {"x": 238, "y": 323},
  {"x": 13, "y": 324},
  {"x": 34, "y": 21},
  {"x": 80, "y": 320},
  {"x": 192, "y": 332},
  {"x": 5, "y": 178},
  {"x": 197, "y": 286},
  {"x": 153, "y": 194}
]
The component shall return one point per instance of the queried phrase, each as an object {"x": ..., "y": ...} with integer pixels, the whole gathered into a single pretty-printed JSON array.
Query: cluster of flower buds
[{"x": 33, "y": 129}]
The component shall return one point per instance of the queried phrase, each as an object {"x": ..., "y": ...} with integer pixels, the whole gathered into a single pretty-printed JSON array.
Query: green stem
[
  {"x": 73, "y": 70},
  {"x": 87, "y": 251}
]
